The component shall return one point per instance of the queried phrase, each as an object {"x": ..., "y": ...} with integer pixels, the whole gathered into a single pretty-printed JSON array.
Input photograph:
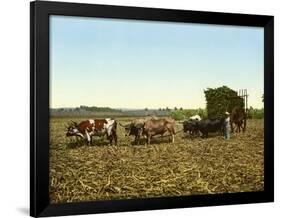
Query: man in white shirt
[{"x": 226, "y": 126}]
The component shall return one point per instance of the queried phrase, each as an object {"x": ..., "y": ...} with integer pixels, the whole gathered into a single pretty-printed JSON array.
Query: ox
[
  {"x": 135, "y": 129},
  {"x": 204, "y": 126},
  {"x": 158, "y": 127},
  {"x": 191, "y": 126},
  {"x": 81, "y": 129},
  {"x": 98, "y": 127},
  {"x": 210, "y": 125},
  {"x": 238, "y": 118}
]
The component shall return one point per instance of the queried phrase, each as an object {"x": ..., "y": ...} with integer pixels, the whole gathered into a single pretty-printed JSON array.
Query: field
[{"x": 200, "y": 166}]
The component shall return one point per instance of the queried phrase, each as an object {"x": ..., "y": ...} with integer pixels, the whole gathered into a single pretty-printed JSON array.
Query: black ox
[
  {"x": 205, "y": 126},
  {"x": 191, "y": 126},
  {"x": 134, "y": 129}
]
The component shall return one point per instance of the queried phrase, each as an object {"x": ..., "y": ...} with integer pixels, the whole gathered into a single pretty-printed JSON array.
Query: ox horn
[{"x": 74, "y": 123}]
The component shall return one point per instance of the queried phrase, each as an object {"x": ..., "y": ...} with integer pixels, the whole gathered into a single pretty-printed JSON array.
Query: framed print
[{"x": 145, "y": 108}]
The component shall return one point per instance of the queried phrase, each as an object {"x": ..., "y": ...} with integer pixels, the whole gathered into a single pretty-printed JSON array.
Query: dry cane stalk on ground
[{"x": 126, "y": 171}]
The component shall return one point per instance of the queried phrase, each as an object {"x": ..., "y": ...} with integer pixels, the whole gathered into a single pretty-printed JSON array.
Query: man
[{"x": 226, "y": 126}]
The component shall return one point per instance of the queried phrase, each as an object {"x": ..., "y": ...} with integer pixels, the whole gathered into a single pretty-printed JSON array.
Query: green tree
[{"x": 254, "y": 113}]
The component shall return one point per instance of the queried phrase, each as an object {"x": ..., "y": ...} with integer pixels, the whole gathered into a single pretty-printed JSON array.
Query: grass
[{"x": 200, "y": 166}]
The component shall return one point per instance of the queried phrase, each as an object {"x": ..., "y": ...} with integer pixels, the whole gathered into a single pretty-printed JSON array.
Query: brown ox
[
  {"x": 135, "y": 128},
  {"x": 159, "y": 126},
  {"x": 238, "y": 118}
]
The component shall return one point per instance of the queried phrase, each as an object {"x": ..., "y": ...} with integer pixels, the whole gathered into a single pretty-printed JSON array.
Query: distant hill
[
  {"x": 93, "y": 111},
  {"x": 84, "y": 111}
]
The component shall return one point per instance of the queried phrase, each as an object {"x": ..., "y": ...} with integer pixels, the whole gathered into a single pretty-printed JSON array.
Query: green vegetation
[
  {"x": 99, "y": 109},
  {"x": 222, "y": 99},
  {"x": 102, "y": 112},
  {"x": 255, "y": 113},
  {"x": 186, "y": 113}
]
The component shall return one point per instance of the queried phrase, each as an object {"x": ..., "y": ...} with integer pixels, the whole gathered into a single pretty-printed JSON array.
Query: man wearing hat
[{"x": 227, "y": 126}]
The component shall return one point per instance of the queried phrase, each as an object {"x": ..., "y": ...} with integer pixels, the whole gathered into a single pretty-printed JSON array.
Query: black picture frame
[{"x": 39, "y": 107}]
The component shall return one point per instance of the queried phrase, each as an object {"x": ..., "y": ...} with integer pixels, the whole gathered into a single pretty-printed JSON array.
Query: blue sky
[{"x": 138, "y": 64}]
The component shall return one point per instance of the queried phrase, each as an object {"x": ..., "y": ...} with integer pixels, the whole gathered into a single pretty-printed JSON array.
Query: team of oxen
[{"x": 152, "y": 126}]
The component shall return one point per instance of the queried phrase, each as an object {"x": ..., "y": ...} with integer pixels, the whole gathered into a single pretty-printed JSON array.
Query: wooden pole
[
  {"x": 242, "y": 97},
  {"x": 246, "y": 97}
]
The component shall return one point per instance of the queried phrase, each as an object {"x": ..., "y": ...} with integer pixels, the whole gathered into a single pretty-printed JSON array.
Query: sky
[{"x": 150, "y": 64}]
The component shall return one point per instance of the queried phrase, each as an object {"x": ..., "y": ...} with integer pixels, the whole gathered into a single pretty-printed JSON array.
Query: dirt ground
[{"x": 200, "y": 166}]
